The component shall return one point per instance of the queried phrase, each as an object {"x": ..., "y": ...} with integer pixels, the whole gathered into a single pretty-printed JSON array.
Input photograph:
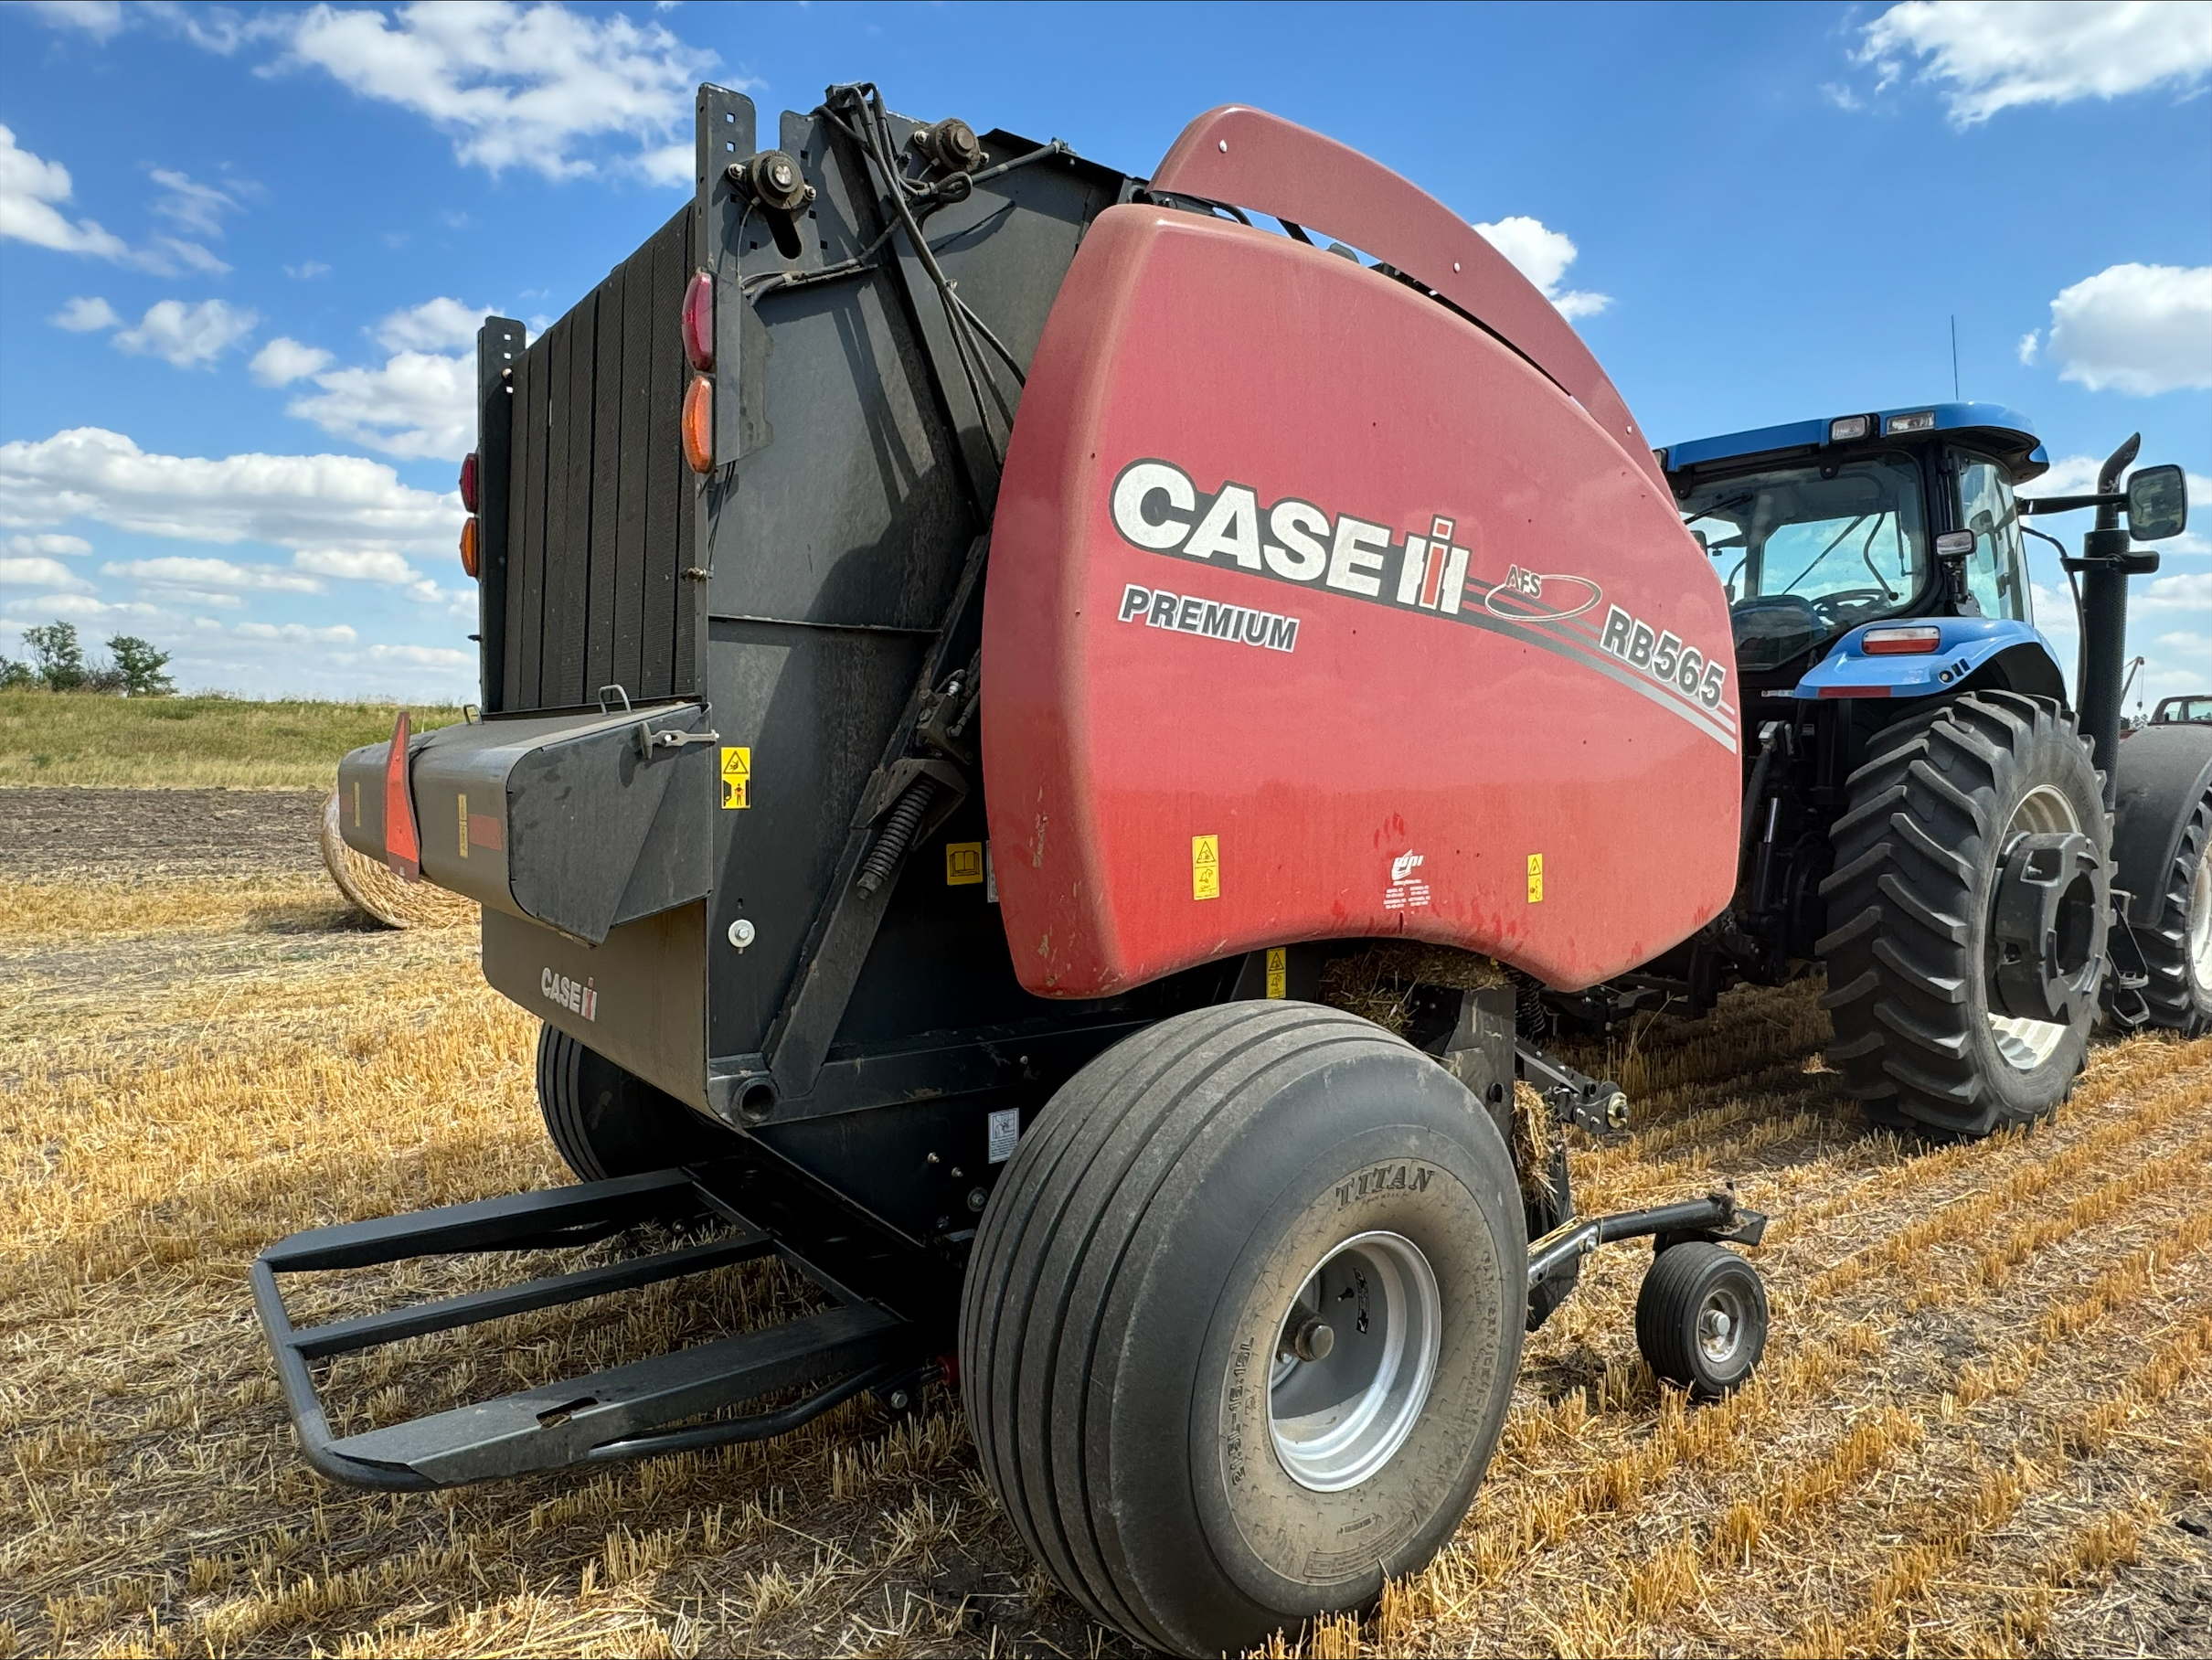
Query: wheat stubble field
[{"x": 1984, "y": 1426}]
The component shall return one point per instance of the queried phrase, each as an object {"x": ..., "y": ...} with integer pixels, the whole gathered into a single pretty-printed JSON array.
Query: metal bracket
[
  {"x": 1597, "y": 1106},
  {"x": 1716, "y": 1217}
]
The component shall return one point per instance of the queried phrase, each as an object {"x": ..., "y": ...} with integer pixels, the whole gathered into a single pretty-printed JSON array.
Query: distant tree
[
  {"x": 14, "y": 674},
  {"x": 60, "y": 656},
  {"x": 140, "y": 666}
]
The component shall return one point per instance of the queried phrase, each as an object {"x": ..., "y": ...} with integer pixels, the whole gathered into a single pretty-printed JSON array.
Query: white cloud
[
  {"x": 1992, "y": 55},
  {"x": 357, "y": 565},
  {"x": 2198, "y": 646},
  {"x": 67, "y": 546},
  {"x": 84, "y": 316},
  {"x": 102, "y": 19},
  {"x": 427, "y": 656},
  {"x": 308, "y": 270},
  {"x": 2142, "y": 329},
  {"x": 2030, "y": 343},
  {"x": 517, "y": 86},
  {"x": 439, "y": 325},
  {"x": 2182, "y": 592},
  {"x": 292, "y": 501},
  {"x": 1542, "y": 255},
  {"x": 188, "y": 335},
  {"x": 194, "y": 206},
  {"x": 216, "y": 574},
  {"x": 29, "y": 187},
  {"x": 418, "y": 406},
  {"x": 337, "y": 634},
  {"x": 40, "y": 573},
  {"x": 284, "y": 361},
  {"x": 89, "y": 607}
]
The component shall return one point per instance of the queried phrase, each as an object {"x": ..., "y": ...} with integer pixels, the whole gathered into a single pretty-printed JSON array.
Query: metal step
[{"x": 651, "y": 1406}]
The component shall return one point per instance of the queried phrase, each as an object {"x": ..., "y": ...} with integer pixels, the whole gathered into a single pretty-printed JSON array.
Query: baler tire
[
  {"x": 1908, "y": 905},
  {"x": 606, "y": 1122},
  {"x": 1687, "y": 1284},
  {"x": 2177, "y": 946},
  {"x": 1162, "y": 1224}
]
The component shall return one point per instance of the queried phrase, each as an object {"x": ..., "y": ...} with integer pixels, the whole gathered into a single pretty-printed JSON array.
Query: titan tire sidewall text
[{"x": 1292, "y": 1546}]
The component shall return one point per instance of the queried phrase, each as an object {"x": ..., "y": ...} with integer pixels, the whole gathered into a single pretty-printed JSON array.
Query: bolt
[
  {"x": 1315, "y": 1338},
  {"x": 932, "y": 1158},
  {"x": 976, "y": 1199},
  {"x": 1616, "y": 1111},
  {"x": 900, "y": 1400},
  {"x": 743, "y": 934}
]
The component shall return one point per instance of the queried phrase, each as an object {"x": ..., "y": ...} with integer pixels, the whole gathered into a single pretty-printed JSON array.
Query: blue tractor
[{"x": 1981, "y": 866}]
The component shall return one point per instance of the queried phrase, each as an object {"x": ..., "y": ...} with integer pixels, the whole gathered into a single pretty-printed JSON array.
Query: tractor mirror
[{"x": 2158, "y": 504}]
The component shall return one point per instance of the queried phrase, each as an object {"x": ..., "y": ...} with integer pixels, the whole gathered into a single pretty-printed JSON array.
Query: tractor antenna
[{"x": 1955, "y": 356}]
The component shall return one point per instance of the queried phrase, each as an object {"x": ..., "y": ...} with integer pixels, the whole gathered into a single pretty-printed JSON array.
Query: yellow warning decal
[
  {"x": 462, "y": 802},
  {"x": 1278, "y": 972},
  {"x": 1204, "y": 867},
  {"x": 357, "y": 803},
  {"x": 736, "y": 779},
  {"x": 964, "y": 864},
  {"x": 1536, "y": 878}
]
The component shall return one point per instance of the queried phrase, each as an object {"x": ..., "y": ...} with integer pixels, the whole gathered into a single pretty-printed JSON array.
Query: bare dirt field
[{"x": 1984, "y": 1425}]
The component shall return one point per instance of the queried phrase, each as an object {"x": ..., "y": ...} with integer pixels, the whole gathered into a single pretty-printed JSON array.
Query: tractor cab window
[
  {"x": 1996, "y": 572},
  {"x": 1806, "y": 552}
]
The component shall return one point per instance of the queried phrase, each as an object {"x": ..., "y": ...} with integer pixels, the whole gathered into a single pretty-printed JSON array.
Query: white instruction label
[{"x": 1006, "y": 1129}]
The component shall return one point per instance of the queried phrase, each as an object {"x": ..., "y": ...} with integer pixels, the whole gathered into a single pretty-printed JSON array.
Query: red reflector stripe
[
  {"x": 1854, "y": 691},
  {"x": 402, "y": 849},
  {"x": 483, "y": 830},
  {"x": 1900, "y": 648}
]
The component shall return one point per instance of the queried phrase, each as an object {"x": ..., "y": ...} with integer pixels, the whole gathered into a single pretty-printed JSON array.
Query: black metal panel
[
  {"x": 669, "y": 488},
  {"x": 632, "y": 528},
  {"x": 526, "y": 578},
  {"x": 567, "y": 580},
  {"x": 606, "y": 480},
  {"x": 499, "y": 350},
  {"x": 560, "y": 538}
]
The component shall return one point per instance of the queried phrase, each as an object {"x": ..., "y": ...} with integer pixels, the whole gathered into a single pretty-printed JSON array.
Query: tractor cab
[{"x": 1822, "y": 527}]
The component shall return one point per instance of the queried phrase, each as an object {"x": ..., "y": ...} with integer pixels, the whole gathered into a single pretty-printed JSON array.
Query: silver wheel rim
[
  {"x": 2027, "y": 1044},
  {"x": 2200, "y": 926},
  {"x": 1722, "y": 1323},
  {"x": 1339, "y": 1415}
]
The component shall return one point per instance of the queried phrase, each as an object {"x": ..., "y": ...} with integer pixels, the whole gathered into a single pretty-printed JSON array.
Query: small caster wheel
[{"x": 1701, "y": 1318}]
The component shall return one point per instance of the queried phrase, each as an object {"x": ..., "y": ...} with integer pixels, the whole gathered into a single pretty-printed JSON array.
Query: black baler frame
[{"x": 893, "y": 1312}]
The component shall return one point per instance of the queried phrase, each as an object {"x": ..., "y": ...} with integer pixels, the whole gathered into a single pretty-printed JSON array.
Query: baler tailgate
[{"x": 659, "y": 1404}]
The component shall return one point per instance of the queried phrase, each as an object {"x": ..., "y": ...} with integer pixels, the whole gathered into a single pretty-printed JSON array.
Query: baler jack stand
[{"x": 885, "y": 1327}]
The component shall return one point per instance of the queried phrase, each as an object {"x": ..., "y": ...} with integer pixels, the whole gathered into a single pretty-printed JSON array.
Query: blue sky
[{"x": 243, "y": 250}]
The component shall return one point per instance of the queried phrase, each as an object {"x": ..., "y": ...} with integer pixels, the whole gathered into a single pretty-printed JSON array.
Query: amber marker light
[
  {"x": 698, "y": 424},
  {"x": 468, "y": 546}
]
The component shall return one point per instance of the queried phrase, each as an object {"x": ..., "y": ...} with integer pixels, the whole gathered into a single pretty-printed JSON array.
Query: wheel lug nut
[{"x": 1313, "y": 1341}]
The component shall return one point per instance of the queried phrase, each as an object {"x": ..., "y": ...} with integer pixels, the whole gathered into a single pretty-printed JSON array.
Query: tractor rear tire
[
  {"x": 606, "y": 1122},
  {"x": 1241, "y": 1322},
  {"x": 1920, "y": 1038},
  {"x": 2177, "y": 945}
]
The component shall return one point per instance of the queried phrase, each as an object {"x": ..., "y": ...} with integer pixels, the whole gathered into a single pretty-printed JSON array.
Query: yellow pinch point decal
[
  {"x": 964, "y": 864},
  {"x": 1278, "y": 971},
  {"x": 1204, "y": 867},
  {"x": 462, "y": 803},
  {"x": 1536, "y": 878},
  {"x": 736, "y": 779}
]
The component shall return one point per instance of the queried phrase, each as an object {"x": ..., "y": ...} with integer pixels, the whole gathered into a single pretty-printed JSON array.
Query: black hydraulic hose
[
  {"x": 898, "y": 826},
  {"x": 1756, "y": 792},
  {"x": 2073, "y": 582}
]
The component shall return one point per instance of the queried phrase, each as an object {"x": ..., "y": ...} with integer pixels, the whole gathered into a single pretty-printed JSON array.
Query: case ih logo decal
[
  {"x": 577, "y": 999},
  {"x": 1157, "y": 506}
]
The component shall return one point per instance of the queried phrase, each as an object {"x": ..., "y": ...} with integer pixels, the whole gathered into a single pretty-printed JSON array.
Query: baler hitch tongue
[{"x": 1598, "y": 1106}]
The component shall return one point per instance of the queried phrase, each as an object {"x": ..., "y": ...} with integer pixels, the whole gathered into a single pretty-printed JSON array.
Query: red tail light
[
  {"x": 468, "y": 481},
  {"x": 698, "y": 322},
  {"x": 698, "y": 424},
  {"x": 468, "y": 545}
]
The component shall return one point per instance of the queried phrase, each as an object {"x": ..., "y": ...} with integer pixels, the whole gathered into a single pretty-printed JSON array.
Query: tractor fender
[
  {"x": 1988, "y": 651},
  {"x": 2165, "y": 771}
]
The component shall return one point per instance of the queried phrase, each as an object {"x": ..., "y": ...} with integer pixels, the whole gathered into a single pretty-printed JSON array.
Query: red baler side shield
[
  {"x": 1314, "y": 611},
  {"x": 402, "y": 847}
]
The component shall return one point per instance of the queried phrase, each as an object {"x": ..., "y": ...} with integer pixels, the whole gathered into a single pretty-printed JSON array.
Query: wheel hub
[
  {"x": 2047, "y": 913},
  {"x": 2200, "y": 927},
  {"x": 1354, "y": 1359},
  {"x": 1720, "y": 1324}
]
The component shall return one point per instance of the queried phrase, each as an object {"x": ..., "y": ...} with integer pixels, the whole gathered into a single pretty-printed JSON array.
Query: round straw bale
[{"x": 379, "y": 894}]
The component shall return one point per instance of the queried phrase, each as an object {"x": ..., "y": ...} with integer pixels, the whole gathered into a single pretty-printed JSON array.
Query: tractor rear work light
[
  {"x": 698, "y": 424},
  {"x": 1920, "y": 421},
  {"x": 698, "y": 322},
  {"x": 1899, "y": 642},
  {"x": 1850, "y": 427},
  {"x": 468, "y": 481},
  {"x": 468, "y": 545}
]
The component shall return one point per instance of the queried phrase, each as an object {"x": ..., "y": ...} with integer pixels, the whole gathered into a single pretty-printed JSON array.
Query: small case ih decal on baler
[{"x": 1506, "y": 646}]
